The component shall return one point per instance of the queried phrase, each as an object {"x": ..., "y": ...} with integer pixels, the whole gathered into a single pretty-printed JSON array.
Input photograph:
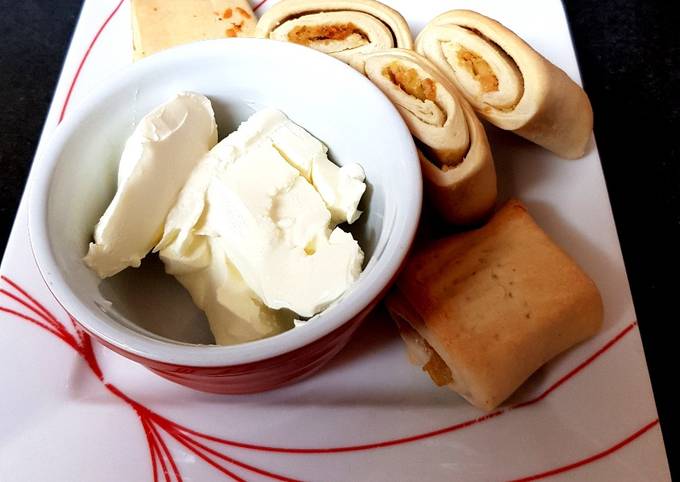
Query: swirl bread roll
[
  {"x": 508, "y": 83},
  {"x": 483, "y": 310},
  {"x": 455, "y": 157},
  {"x": 345, "y": 29}
]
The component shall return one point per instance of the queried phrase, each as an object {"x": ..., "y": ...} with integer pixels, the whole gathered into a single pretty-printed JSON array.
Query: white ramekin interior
[{"x": 74, "y": 180}]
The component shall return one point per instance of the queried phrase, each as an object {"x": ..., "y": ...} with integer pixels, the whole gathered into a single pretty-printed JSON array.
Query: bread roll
[
  {"x": 507, "y": 82},
  {"x": 345, "y": 29},
  {"x": 481, "y": 311},
  {"x": 455, "y": 157}
]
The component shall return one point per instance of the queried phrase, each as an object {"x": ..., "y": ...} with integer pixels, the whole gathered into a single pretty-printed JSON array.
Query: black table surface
[{"x": 629, "y": 54}]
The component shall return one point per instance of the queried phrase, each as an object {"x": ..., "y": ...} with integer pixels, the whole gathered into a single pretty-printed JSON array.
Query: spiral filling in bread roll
[
  {"x": 308, "y": 34},
  {"x": 432, "y": 113},
  {"x": 409, "y": 81},
  {"x": 346, "y": 29},
  {"x": 507, "y": 82},
  {"x": 479, "y": 69},
  {"x": 341, "y": 34},
  {"x": 423, "y": 90},
  {"x": 484, "y": 70},
  {"x": 454, "y": 154}
]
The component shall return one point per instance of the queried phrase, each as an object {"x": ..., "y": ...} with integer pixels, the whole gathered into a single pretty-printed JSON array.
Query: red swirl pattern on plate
[{"x": 156, "y": 426}]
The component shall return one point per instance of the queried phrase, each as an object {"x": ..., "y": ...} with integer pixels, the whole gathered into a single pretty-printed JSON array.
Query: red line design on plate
[
  {"x": 424, "y": 435},
  {"x": 578, "y": 368},
  {"x": 592, "y": 458},
  {"x": 256, "y": 7},
  {"x": 167, "y": 454},
  {"x": 84, "y": 59},
  {"x": 155, "y": 426},
  {"x": 184, "y": 437},
  {"x": 153, "y": 449}
]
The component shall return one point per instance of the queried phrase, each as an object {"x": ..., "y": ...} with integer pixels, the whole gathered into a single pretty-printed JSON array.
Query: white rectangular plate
[{"x": 70, "y": 411}]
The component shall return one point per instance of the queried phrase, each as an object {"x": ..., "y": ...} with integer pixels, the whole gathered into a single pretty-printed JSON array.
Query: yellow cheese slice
[{"x": 161, "y": 24}]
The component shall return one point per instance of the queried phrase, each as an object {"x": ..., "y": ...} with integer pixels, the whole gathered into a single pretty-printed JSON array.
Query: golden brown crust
[{"x": 497, "y": 303}]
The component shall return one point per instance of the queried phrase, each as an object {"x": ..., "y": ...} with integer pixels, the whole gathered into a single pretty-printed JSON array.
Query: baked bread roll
[
  {"x": 345, "y": 29},
  {"x": 455, "y": 157},
  {"x": 508, "y": 83},
  {"x": 481, "y": 311},
  {"x": 161, "y": 24}
]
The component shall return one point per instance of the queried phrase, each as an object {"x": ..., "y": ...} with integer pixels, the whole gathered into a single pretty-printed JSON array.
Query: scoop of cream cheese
[
  {"x": 234, "y": 311},
  {"x": 251, "y": 217},
  {"x": 275, "y": 227},
  {"x": 156, "y": 162},
  {"x": 340, "y": 188}
]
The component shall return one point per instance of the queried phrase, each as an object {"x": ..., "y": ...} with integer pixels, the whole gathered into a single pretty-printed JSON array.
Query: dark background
[{"x": 629, "y": 53}]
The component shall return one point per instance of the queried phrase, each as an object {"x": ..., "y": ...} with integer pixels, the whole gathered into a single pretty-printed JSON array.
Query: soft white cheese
[
  {"x": 251, "y": 238},
  {"x": 156, "y": 162},
  {"x": 234, "y": 311},
  {"x": 274, "y": 227},
  {"x": 341, "y": 188}
]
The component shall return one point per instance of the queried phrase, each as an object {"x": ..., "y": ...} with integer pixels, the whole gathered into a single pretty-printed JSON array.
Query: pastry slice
[
  {"x": 345, "y": 29},
  {"x": 481, "y": 311},
  {"x": 161, "y": 24},
  {"x": 458, "y": 169},
  {"x": 509, "y": 83}
]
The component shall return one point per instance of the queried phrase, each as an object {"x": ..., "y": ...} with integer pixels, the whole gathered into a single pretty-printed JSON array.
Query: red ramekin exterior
[{"x": 257, "y": 376}]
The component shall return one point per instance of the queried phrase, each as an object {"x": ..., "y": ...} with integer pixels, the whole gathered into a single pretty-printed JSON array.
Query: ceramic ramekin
[{"x": 144, "y": 314}]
